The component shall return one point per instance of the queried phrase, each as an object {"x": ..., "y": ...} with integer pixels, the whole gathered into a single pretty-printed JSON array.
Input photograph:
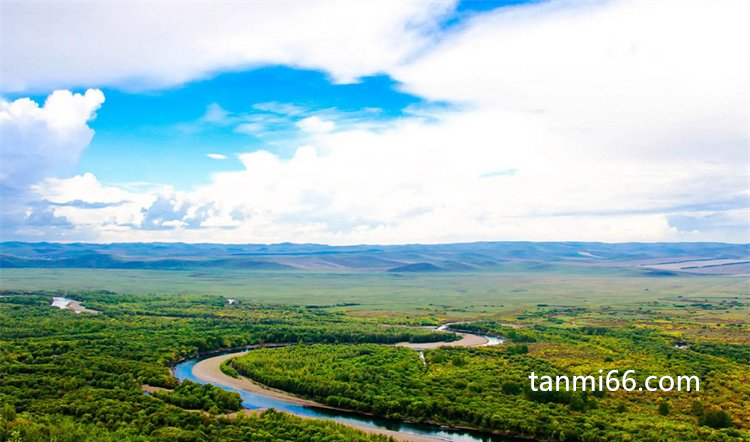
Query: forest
[
  {"x": 79, "y": 377},
  {"x": 67, "y": 376},
  {"x": 488, "y": 388}
]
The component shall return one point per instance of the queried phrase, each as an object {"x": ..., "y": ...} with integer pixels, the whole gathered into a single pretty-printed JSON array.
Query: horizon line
[{"x": 3, "y": 242}]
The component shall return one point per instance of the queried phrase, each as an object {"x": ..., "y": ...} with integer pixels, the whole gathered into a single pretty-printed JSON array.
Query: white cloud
[
  {"x": 39, "y": 141},
  {"x": 89, "y": 205},
  {"x": 630, "y": 79},
  {"x": 151, "y": 44},
  {"x": 619, "y": 121},
  {"x": 277, "y": 123},
  {"x": 215, "y": 114},
  {"x": 408, "y": 184},
  {"x": 315, "y": 124},
  {"x": 216, "y": 156},
  {"x": 275, "y": 107},
  {"x": 83, "y": 188}
]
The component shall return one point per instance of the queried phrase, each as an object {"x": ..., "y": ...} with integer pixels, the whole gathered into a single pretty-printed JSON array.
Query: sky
[{"x": 370, "y": 122}]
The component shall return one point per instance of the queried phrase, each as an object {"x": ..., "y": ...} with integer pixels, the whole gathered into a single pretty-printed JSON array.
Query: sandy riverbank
[
  {"x": 209, "y": 370},
  {"x": 467, "y": 340}
]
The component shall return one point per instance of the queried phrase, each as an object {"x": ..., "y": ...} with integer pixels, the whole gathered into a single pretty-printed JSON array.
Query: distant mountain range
[{"x": 661, "y": 258}]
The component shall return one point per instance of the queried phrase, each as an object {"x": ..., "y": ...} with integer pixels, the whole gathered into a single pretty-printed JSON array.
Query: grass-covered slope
[{"x": 396, "y": 258}]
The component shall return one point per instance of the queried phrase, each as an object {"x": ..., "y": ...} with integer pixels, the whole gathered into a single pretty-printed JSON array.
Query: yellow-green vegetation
[
  {"x": 81, "y": 375},
  {"x": 176, "y": 425},
  {"x": 452, "y": 295},
  {"x": 193, "y": 396},
  {"x": 78, "y": 377},
  {"x": 488, "y": 388}
]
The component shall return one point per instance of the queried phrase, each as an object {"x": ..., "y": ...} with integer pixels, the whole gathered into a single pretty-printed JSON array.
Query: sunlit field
[{"x": 451, "y": 295}]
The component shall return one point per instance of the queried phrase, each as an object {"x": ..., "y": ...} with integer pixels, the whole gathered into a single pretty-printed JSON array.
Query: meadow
[
  {"x": 508, "y": 290},
  {"x": 66, "y": 373}
]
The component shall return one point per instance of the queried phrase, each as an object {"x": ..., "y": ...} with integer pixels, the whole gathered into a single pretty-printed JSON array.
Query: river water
[{"x": 253, "y": 401}]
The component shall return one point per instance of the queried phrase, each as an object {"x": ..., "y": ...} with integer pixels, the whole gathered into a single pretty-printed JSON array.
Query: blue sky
[
  {"x": 138, "y": 131},
  {"x": 150, "y": 127},
  {"x": 152, "y": 123},
  {"x": 380, "y": 123}
]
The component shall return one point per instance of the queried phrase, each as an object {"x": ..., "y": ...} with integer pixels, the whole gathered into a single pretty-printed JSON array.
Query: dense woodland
[
  {"x": 174, "y": 424},
  {"x": 78, "y": 377},
  {"x": 488, "y": 388}
]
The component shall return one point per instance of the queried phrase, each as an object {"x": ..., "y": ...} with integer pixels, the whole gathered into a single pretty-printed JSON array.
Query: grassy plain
[
  {"x": 503, "y": 293},
  {"x": 578, "y": 319}
]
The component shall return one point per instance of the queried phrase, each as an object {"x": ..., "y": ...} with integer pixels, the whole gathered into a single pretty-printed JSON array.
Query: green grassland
[
  {"x": 454, "y": 295},
  {"x": 67, "y": 373}
]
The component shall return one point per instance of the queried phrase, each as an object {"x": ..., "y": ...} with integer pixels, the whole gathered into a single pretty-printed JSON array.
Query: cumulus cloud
[
  {"x": 617, "y": 78},
  {"x": 408, "y": 184},
  {"x": 91, "y": 209},
  {"x": 568, "y": 121},
  {"x": 152, "y": 44},
  {"x": 315, "y": 124},
  {"x": 216, "y": 156},
  {"x": 39, "y": 141}
]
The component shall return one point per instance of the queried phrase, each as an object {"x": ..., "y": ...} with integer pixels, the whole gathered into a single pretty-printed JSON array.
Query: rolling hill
[{"x": 661, "y": 258}]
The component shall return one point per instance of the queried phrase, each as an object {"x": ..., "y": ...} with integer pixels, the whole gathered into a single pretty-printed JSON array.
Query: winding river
[{"x": 258, "y": 397}]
